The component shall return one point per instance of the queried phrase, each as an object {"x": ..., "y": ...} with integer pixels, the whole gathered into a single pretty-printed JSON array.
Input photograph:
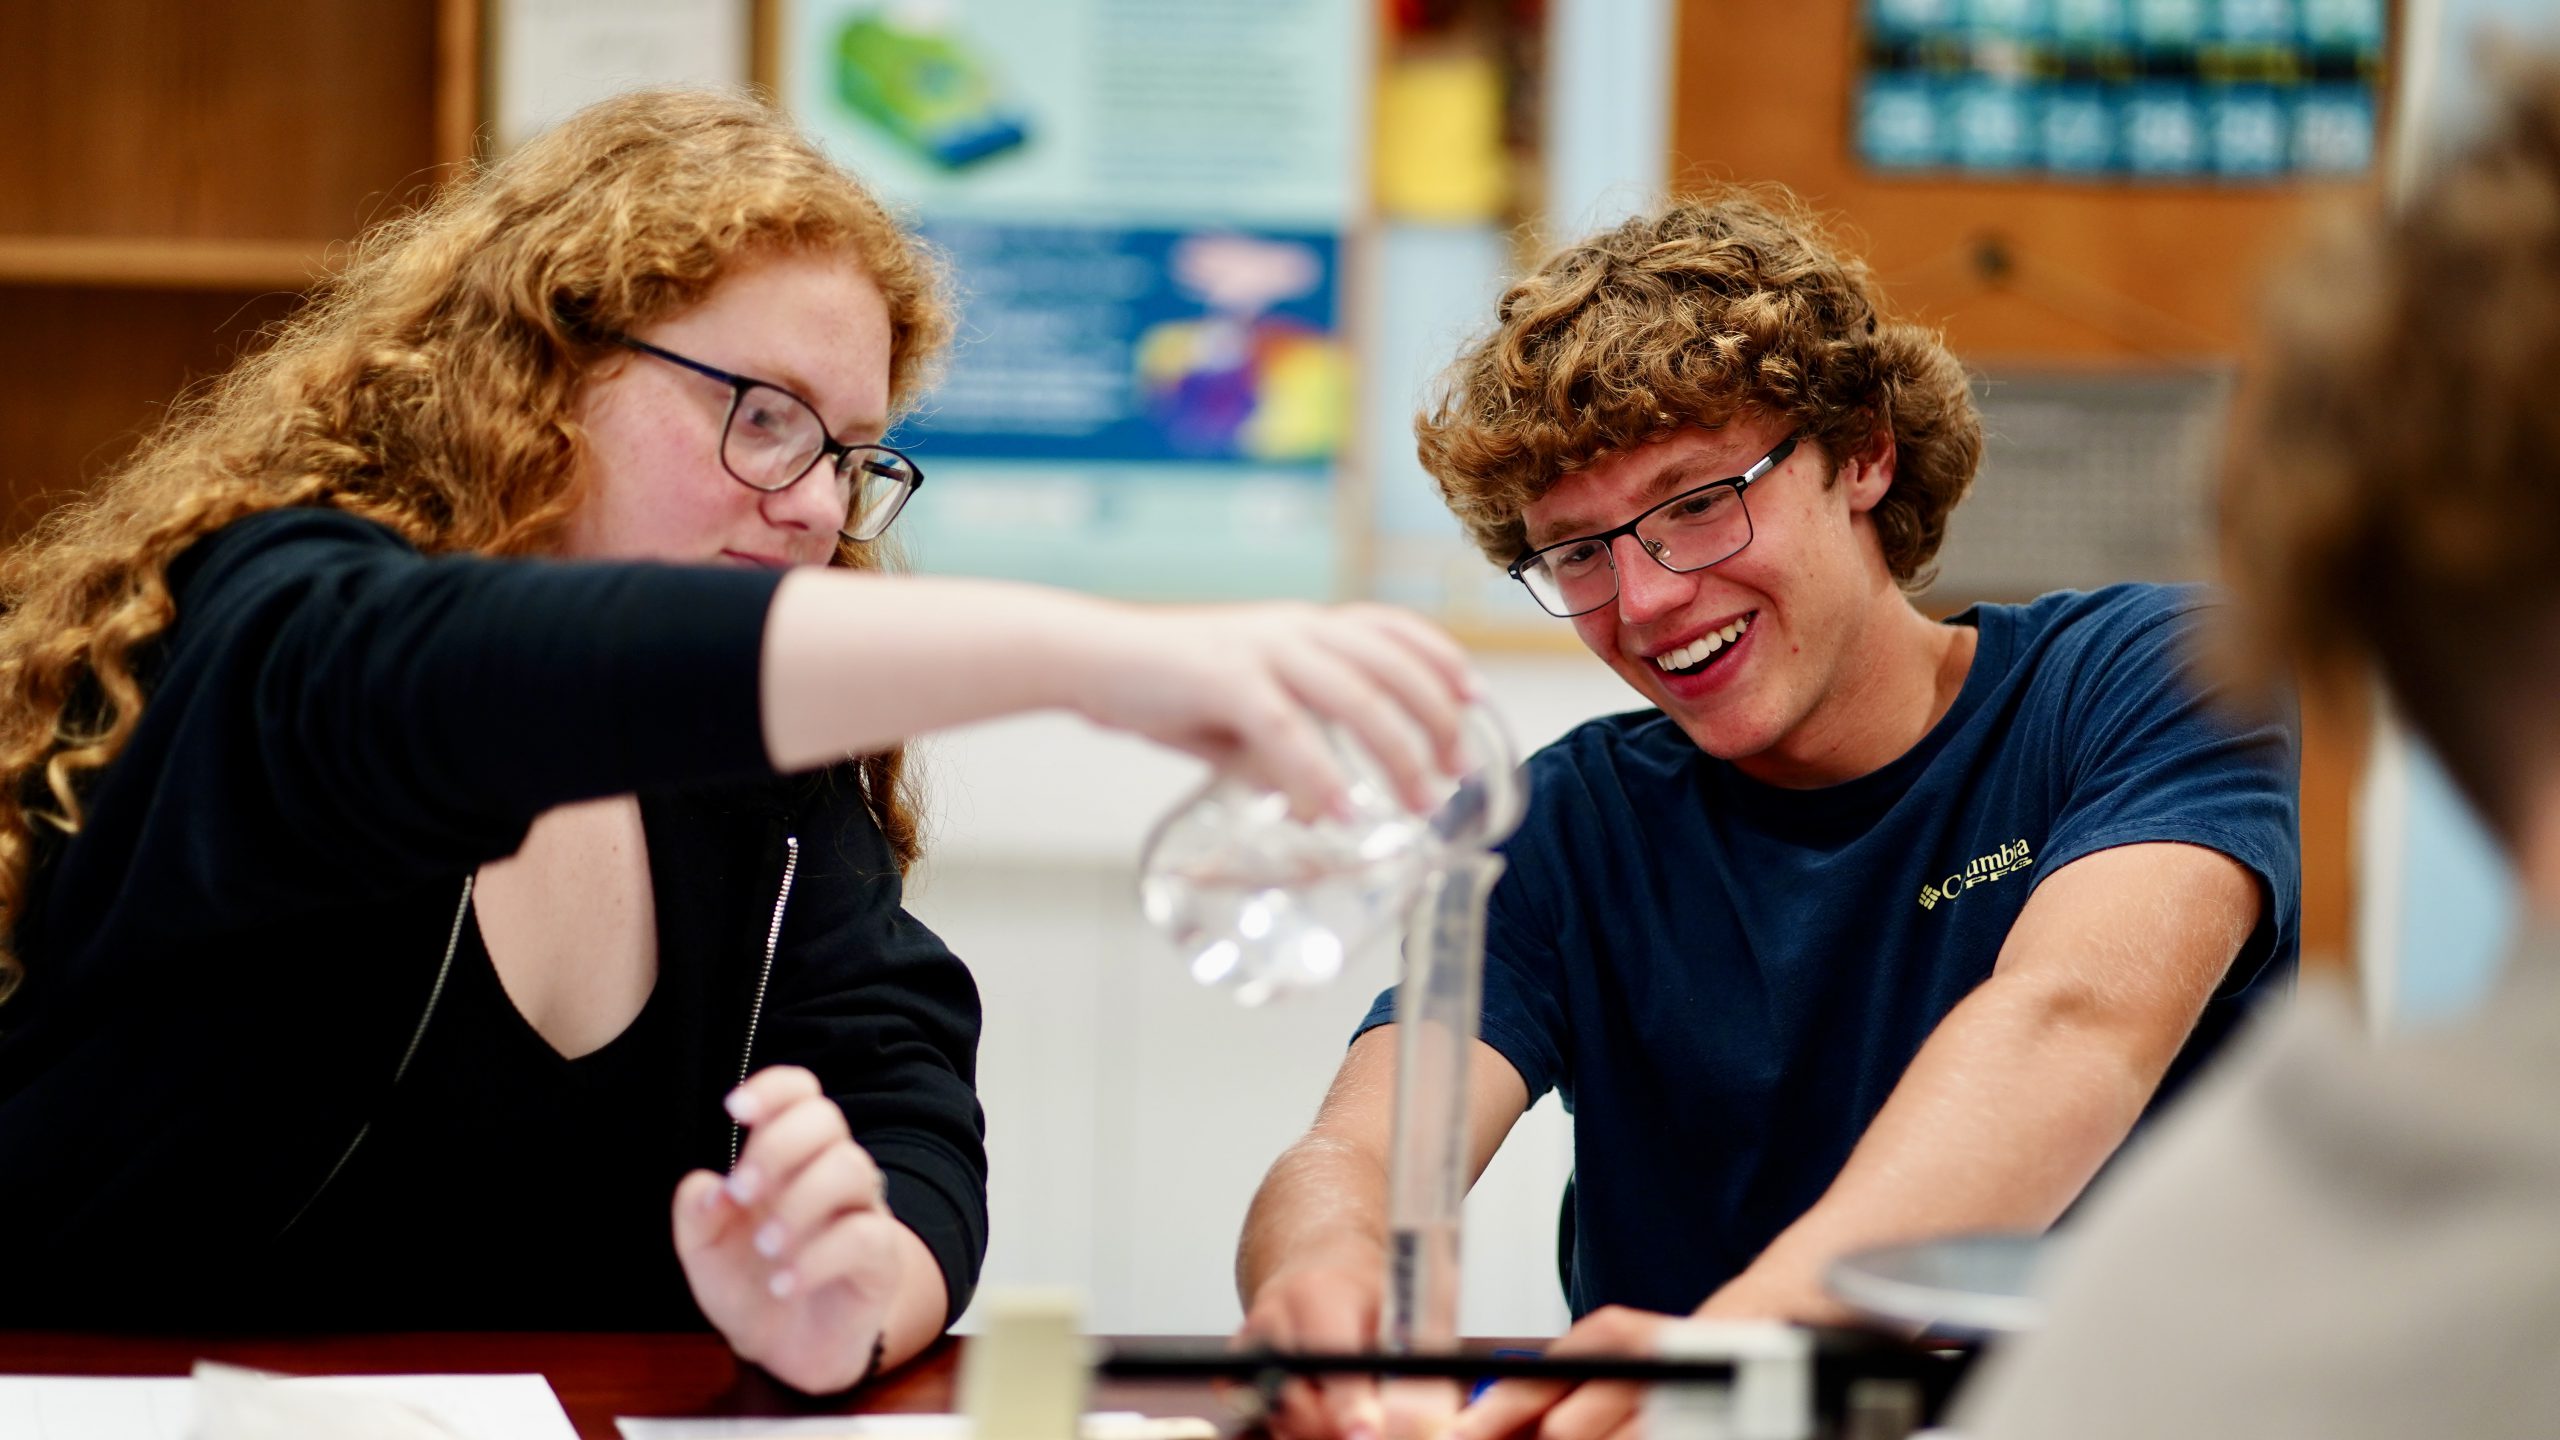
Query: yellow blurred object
[
  {"x": 1299, "y": 413},
  {"x": 1165, "y": 351},
  {"x": 1440, "y": 155}
]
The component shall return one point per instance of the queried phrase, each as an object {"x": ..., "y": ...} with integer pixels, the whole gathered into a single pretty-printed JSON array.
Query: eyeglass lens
[
  {"x": 773, "y": 439},
  {"x": 875, "y": 483},
  {"x": 1690, "y": 533}
]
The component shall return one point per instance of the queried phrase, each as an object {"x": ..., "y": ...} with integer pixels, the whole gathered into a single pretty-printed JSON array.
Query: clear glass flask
[{"x": 1263, "y": 903}]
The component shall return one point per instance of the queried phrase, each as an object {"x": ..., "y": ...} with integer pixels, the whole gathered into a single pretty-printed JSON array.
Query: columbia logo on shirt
[{"x": 2007, "y": 860}]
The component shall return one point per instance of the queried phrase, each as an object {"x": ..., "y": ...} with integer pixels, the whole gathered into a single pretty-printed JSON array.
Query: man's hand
[
  {"x": 1563, "y": 1410},
  {"x": 793, "y": 1256},
  {"x": 1323, "y": 1301},
  {"x": 1311, "y": 1266}
]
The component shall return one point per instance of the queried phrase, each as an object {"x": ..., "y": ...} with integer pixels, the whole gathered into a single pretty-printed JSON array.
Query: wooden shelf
[
  {"x": 189, "y": 173},
  {"x": 127, "y": 263}
]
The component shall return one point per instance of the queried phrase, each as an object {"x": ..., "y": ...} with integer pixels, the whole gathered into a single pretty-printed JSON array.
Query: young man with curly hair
[{"x": 1871, "y": 926}]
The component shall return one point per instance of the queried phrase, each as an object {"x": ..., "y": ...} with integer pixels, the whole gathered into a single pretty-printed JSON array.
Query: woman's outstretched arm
[{"x": 857, "y": 662}]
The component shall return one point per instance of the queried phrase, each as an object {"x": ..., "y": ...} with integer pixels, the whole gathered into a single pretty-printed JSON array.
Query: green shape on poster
[{"x": 928, "y": 91}]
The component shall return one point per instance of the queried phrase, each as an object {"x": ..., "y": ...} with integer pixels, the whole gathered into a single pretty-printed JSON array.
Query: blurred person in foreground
[
  {"x": 2339, "y": 1237},
  {"x": 1871, "y": 926}
]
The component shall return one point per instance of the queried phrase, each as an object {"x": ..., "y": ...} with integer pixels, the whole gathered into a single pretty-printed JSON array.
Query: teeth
[{"x": 1702, "y": 647}]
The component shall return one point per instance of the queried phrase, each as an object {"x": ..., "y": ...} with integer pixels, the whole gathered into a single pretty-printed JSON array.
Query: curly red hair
[{"x": 433, "y": 387}]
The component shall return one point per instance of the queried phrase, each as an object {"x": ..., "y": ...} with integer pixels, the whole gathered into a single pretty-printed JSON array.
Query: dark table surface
[{"x": 597, "y": 1376}]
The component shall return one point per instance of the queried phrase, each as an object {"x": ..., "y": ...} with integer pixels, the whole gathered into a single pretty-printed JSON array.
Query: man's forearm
[
  {"x": 2026, "y": 1087},
  {"x": 1323, "y": 1196},
  {"x": 2009, "y": 1109}
]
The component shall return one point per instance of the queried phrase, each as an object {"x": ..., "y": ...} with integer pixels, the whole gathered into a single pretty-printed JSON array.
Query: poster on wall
[
  {"x": 2195, "y": 91},
  {"x": 1143, "y": 203}
]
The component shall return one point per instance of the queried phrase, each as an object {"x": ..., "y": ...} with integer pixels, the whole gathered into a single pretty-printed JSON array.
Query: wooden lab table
[{"x": 597, "y": 1376}]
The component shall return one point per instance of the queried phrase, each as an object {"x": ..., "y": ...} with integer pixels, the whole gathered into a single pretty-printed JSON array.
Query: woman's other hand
[{"x": 793, "y": 1255}]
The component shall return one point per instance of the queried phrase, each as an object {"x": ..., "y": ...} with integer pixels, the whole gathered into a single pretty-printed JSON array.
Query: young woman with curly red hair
[{"x": 451, "y": 812}]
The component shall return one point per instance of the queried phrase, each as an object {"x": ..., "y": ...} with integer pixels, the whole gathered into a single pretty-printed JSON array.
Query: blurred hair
[
  {"x": 2392, "y": 493},
  {"x": 433, "y": 386},
  {"x": 1735, "y": 299}
]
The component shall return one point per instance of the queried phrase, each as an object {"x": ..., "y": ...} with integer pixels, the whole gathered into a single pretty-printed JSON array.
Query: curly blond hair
[
  {"x": 1714, "y": 303},
  {"x": 2392, "y": 490},
  {"x": 432, "y": 386}
]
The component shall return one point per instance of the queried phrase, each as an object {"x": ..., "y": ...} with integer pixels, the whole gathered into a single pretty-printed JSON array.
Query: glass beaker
[{"x": 1260, "y": 901}]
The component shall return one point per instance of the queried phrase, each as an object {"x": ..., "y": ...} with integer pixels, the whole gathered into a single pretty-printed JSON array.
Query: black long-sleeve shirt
[{"x": 255, "y": 931}]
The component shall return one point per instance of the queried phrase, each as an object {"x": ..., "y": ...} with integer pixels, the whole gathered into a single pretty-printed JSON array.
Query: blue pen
[{"x": 1482, "y": 1386}]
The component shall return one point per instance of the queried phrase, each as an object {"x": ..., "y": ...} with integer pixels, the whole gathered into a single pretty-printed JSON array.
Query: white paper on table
[
  {"x": 162, "y": 1407},
  {"x": 1095, "y": 1425}
]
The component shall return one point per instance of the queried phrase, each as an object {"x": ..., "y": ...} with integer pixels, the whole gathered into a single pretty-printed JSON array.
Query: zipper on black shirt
[
  {"x": 435, "y": 993},
  {"x": 764, "y": 979}
]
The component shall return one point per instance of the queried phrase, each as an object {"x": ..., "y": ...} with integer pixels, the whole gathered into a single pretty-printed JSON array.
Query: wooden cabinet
[{"x": 179, "y": 174}]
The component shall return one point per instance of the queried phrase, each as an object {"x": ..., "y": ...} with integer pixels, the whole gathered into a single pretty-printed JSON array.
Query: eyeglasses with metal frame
[
  {"x": 1700, "y": 527},
  {"x": 772, "y": 437}
]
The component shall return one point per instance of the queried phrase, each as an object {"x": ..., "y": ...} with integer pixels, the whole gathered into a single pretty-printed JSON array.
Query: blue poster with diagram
[
  {"x": 1142, "y": 205},
  {"x": 1185, "y": 346}
]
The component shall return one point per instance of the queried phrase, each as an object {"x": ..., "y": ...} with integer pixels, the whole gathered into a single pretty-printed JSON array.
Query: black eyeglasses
[
  {"x": 771, "y": 437},
  {"x": 1692, "y": 530}
]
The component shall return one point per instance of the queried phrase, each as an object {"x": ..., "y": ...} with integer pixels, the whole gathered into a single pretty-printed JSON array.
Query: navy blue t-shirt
[{"x": 1726, "y": 979}]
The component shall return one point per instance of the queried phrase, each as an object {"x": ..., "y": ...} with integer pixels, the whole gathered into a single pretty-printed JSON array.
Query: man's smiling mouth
[{"x": 1694, "y": 657}]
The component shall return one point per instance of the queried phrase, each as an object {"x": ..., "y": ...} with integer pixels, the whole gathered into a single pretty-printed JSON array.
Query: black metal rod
[{"x": 1249, "y": 1366}]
